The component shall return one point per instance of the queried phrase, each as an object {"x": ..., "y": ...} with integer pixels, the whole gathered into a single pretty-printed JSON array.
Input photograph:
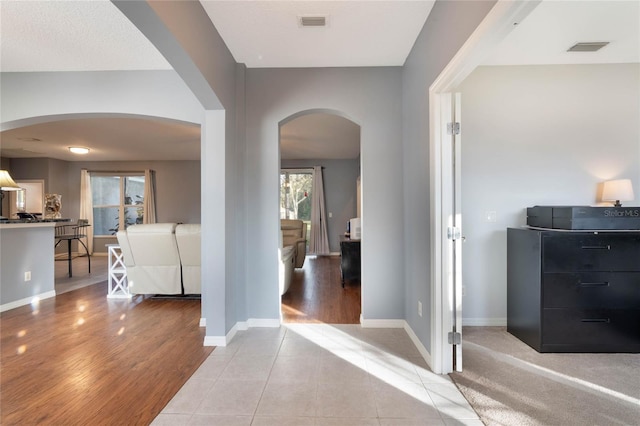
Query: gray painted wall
[
  {"x": 339, "y": 178},
  {"x": 240, "y": 171},
  {"x": 537, "y": 135},
  {"x": 33, "y": 97},
  {"x": 22, "y": 250},
  {"x": 436, "y": 45},
  {"x": 177, "y": 185},
  {"x": 370, "y": 97}
]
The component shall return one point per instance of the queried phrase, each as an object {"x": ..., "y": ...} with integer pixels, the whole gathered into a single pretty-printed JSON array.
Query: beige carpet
[{"x": 509, "y": 383}]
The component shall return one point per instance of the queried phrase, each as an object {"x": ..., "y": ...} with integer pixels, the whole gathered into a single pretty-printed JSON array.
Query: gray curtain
[{"x": 319, "y": 241}]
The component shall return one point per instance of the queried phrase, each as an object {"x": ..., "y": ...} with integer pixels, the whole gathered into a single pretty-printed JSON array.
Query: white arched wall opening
[
  {"x": 370, "y": 97},
  {"x": 306, "y": 113},
  {"x": 31, "y": 98}
]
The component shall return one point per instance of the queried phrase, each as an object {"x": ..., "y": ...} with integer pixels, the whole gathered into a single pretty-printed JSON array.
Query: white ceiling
[
  {"x": 94, "y": 35},
  {"x": 88, "y": 35},
  {"x": 267, "y": 34},
  {"x": 554, "y": 26},
  {"x": 109, "y": 139}
]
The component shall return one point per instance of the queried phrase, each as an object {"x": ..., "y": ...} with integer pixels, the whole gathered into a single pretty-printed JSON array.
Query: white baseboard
[
  {"x": 382, "y": 323},
  {"x": 414, "y": 338},
  {"x": 399, "y": 323},
  {"x": 215, "y": 341},
  {"x": 263, "y": 322},
  {"x": 27, "y": 300},
  {"x": 239, "y": 326},
  {"x": 484, "y": 322}
]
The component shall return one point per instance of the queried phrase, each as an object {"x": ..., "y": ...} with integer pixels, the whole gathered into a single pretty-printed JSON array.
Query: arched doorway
[{"x": 321, "y": 146}]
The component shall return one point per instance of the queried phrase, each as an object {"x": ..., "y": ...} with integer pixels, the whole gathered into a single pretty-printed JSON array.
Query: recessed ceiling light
[
  {"x": 592, "y": 46},
  {"x": 79, "y": 150}
]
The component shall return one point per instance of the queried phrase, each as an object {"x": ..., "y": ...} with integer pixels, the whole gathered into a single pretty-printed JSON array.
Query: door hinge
[
  {"x": 454, "y": 338},
  {"x": 453, "y": 128},
  {"x": 453, "y": 233}
]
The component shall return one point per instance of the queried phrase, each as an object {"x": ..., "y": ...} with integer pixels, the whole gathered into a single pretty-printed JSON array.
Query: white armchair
[
  {"x": 151, "y": 258},
  {"x": 294, "y": 233}
]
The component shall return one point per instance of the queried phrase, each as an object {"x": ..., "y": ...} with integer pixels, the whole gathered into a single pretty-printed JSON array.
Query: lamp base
[{"x": 617, "y": 204}]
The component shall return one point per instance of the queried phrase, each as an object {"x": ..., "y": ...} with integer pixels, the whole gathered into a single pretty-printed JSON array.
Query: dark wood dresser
[
  {"x": 574, "y": 291},
  {"x": 349, "y": 259}
]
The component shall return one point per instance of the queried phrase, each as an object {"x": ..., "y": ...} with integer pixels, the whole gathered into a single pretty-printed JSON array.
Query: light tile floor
[{"x": 317, "y": 374}]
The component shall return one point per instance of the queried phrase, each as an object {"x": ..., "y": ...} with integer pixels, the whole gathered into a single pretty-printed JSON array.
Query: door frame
[{"x": 499, "y": 22}]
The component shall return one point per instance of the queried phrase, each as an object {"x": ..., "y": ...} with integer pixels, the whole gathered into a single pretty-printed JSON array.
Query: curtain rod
[
  {"x": 299, "y": 168},
  {"x": 116, "y": 171}
]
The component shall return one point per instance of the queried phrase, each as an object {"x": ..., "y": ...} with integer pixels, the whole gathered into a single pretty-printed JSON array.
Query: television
[{"x": 355, "y": 228}]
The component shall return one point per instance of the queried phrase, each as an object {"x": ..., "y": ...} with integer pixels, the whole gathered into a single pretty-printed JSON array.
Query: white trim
[
  {"x": 398, "y": 323},
  {"x": 239, "y": 326},
  {"x": 498, "y": 23},
  {"x": 203, "y": 322},
  {"x": 263, "y": 322},
  {"x": 495, "y": 26},
  {"x": 484, "y": 322},
  {"x": 27, "y": 300},
  {"x": 215, "y": 341},
  {"x": 416, "y": 341},
  {"x": 382, "y": 323}
]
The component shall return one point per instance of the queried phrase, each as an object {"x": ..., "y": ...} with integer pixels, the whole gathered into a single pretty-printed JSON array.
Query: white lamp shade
[
  {"x": 6, "y": 183},
  {"x": 617, "y": 190}
]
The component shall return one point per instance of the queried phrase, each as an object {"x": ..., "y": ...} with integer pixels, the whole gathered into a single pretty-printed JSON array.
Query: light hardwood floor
[
  {"x": 79, "y": 358},
  {"x": 316, "y": 294}
]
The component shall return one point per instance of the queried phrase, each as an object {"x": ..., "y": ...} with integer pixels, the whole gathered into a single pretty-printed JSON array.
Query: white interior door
[
  {"x": 451, "y": 231},
  {"x": 456, "y": 140},
  {"x": 444, "y": 150}
]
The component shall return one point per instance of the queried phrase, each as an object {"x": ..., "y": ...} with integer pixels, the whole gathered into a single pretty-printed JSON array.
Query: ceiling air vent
[
  {"x": 313, "y": 21},
  {"x": 588, "y": 47}
]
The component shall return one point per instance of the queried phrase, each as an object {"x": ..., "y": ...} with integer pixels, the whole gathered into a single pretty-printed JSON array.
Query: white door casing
[{"x": 445, "y": 309}]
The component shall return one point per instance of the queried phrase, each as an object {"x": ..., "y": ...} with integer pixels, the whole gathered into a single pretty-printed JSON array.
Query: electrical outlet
[
  {"x": 419, "y": 308},
  {"x": 27, "y": 276},
  {"x": 330, "y": 214},
  {"x": 491, "y": 216}
]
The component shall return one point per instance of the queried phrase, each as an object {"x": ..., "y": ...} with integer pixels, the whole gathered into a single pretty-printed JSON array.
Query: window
[
  {"x": 295, "y": 196},
  {"x": 118, "y": 201}
]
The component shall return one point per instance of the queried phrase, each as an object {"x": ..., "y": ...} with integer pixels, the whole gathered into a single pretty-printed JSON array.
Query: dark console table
[
  {"x": 349, "y": 259},
  {"x": 574, "y": 291}
]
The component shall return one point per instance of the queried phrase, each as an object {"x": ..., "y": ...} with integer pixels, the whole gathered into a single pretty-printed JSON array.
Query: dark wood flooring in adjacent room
[
  {"x": 316, "y": 294},
  {"x": 80, "y": 359}
]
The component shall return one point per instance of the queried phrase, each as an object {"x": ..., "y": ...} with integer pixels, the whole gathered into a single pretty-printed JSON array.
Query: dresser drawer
[
  {"x": 611, "y": 290},
  {"x": 596, "y": 327},
  {"x": 591, "y": 252}
]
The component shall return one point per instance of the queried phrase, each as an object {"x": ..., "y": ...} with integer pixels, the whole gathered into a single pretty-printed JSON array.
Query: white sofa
[
  {"x": 162, "y": 258},
  {"x": 188, "y": 239},
  {"x": 287, "y": 263}
]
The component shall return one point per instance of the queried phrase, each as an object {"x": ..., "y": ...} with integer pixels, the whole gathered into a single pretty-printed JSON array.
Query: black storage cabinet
[
  {"x": 349, "y": 260},
  {"x": 571, "y": 291}
]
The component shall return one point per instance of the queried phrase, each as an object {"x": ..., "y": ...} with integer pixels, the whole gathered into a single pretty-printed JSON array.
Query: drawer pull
[
  {"x": 602, "y": 284},
  {"x": 607, "y": 247},
  {"x": 607, "y": 320}
]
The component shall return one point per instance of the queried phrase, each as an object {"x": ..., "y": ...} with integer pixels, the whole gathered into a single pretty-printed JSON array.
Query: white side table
[{"x": 118, "y": 284}]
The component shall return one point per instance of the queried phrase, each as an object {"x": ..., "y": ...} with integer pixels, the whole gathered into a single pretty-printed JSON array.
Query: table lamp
[
  {"x": 6, "y": 184},
  {"x": 617, "y": 190}
]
